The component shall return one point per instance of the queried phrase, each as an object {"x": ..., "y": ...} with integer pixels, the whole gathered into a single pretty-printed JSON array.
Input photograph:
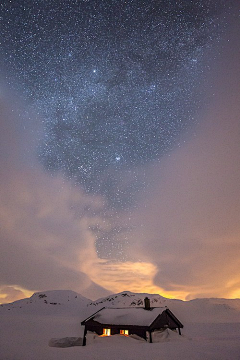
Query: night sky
[
  {"x": 97, "y": 96},
  {"x": 115, "y": 82}
]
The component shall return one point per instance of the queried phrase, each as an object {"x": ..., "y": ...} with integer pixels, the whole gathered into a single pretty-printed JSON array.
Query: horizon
[{"x": 111, "y": 294}]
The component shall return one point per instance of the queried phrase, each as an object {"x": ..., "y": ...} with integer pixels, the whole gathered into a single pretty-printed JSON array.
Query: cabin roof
[{"x": 126, "y": 316}]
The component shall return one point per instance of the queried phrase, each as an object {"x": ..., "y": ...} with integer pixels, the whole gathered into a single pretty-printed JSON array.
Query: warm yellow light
[
  {"x": 106, "y": 332},
  {"x": 10, "y": 293},
  {"x": 235, "y": 294},
  {"x": 124, "y": 332},
  {"x": 134, "y": 276}
]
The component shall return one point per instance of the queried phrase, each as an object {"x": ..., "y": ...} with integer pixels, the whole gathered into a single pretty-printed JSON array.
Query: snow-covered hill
[
  {"x": 197, "y": 310},
  {"x": 62, "y": 302},
  {"x": 48, "y": 302},
  {"x": 211, "y": 328},
  {"x": 211, "y": 310},
  {"x": 128, "y": 299}
]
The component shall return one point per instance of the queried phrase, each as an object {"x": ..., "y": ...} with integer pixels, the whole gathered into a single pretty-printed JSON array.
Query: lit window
[
  {"x": 124, "y": 332},
  {"x": 106, "y": 332}
]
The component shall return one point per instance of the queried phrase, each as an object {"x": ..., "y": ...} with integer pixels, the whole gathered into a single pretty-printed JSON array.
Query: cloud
[
  {"x": 47, "y": 240},
  {"x": 10, "y": 293},
  {"x": 186, "y": 229},
  {"x": 188, "y": 222},
  {"x": 44, "y": 226},
  {"x": 120, "y": 276},
  {"x": 45, "y": 220}
]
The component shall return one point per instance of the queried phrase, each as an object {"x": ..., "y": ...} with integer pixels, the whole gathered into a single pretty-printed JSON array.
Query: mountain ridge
[{"x": 58, "y": 302}]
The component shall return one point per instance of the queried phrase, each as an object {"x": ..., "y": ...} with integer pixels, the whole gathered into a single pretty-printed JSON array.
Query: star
[{"x": 115, "y": 83}]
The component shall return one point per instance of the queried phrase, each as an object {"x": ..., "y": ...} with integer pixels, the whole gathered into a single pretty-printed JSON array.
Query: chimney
[{"x": 147, "y": 303}]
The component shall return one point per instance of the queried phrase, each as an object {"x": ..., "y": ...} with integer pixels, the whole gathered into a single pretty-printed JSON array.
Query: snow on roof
[{"x": 127, "y": 316}]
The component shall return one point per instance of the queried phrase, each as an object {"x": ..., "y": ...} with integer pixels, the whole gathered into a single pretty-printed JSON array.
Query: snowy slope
[
  {"x": 207, "y": 310},
  {"x": 67, "y": 302},
  {"x": 211, "y": 328},
  {"x": 48, "y": 302},
  {"x": 127, "y": 299},
  {"x": 197, "y": 310}
]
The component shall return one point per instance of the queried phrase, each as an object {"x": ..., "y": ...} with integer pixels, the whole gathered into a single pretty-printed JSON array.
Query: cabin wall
[
  {"x": 164, "y": 321},
  {"x": 115, "y": 329},
  {"x": 171, "y": 323}
]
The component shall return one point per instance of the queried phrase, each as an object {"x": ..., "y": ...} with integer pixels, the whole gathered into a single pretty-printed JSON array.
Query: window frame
[
  {"x": 106, "y": 332},
  {"x": 124, "y": 332}
]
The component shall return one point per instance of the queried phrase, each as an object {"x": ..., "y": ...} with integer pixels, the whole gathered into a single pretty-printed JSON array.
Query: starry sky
[{"x": 98, "y": 101}]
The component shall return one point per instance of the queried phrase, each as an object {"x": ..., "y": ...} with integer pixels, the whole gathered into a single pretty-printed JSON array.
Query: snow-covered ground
[{"x": 211, "y": 329}]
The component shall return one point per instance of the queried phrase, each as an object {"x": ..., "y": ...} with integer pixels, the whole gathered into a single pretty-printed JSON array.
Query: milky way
[{"x": 115, "y": 82}]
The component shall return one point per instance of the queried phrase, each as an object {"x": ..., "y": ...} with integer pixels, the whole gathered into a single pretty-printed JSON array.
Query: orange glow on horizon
[
  {"x": 235, "y": 294},
  {"x": 15, "y": 293},
  {"x": 136, "y": 277}
]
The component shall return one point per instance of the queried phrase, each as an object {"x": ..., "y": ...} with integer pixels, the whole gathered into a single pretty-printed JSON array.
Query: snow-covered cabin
[{"x": 129, "y": 321}]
